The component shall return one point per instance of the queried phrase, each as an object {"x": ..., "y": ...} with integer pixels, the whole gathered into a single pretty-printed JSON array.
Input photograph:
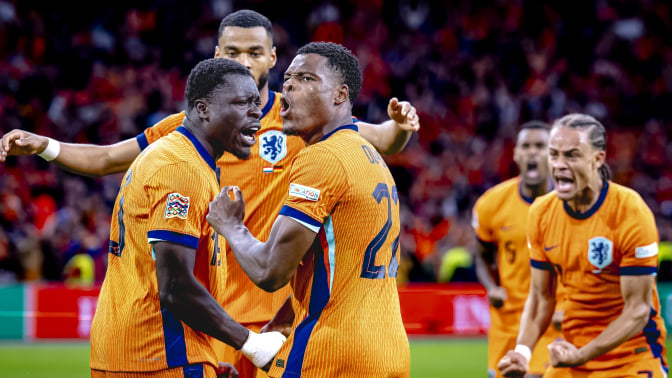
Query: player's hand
[
  {"x": 513, "y": 365},
  {"x": 226, "y": 370},
  {"x": 557, "y": 320},
  {"x": 19, "y": 142},
  {"x": 225, "y": 212},
  {"x": 261, "y": 348},
  {"x": 497, "y": 296},
  {"x": 565, "y": 354},
  {"x": 404, "y": 114}
]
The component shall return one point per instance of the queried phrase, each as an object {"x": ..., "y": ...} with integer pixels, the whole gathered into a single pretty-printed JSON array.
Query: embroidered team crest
[
  {"x": 177, "y": 206},
  {"x": 273, "y": 146},
  {"x": 600, "y": 252}
]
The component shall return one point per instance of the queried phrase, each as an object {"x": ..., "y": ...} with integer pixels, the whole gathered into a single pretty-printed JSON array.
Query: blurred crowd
[{"x": 101, "y": 72}]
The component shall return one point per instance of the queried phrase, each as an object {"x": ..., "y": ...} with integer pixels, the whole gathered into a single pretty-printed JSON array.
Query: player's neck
[
  {"x": 585, "y": 200},
  {"x": 535, "y": 190},
  {"x": 320, "y": 132},
  {"x": 264, "y": 96}
]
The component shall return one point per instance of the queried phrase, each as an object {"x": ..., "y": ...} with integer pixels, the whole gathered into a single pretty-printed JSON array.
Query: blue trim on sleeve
[
  {"x": 173, "y": 237},
  {"x": 193, "y": 371},
  {"x": 350, "y": 126},
  {"x": 209, "y": 159},
  {"x": 299, "y": 215},
  {"x": 173, "y": 336},
  {"x": 544, "y": 265},
  {"x": 592, "y": 210},
  {"x": 142, "y": 141},
  {"x": 269, "y": 105},
  {"x": 638, "y": 270}
]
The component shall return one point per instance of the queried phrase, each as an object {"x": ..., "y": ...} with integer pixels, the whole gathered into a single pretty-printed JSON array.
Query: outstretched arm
[
  {"x": 486, "y": 273},
  {"x": 390, "y": 137},
  {"x": 83, "y": 159},
  {"x": 269, "y": 265}
]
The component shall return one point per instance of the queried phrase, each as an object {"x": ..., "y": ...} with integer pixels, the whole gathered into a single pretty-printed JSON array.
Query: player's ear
[
  {"x": 201, "y": 107},
  {"x": 342, "y": 94},
  {"x": 599, "y": 157},
  {"x": 274, "y": 58},
  {"x": 216, "y": 51}
]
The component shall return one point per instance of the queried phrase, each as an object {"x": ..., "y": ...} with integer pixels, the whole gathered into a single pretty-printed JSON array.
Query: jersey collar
[
  {"x": 350, "y": 126},
  {"x": 593, "y": 209},
  {"x": 199, "y": 147},
  {"x": 269, "y": 104}
]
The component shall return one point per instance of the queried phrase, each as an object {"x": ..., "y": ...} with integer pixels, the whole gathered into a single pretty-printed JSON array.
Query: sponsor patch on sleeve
[
  {"x": 305, "y": 192},
  {"x": 646, "y": 251},
  {"x": 177, "y": 206}
]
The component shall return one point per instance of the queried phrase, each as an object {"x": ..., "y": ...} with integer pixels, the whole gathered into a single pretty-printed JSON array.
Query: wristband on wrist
[
  {"x": 51, "y": 152},
  {"x": 524, "y": 350}
]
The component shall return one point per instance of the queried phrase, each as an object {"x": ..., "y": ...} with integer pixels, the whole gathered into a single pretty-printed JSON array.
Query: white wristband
[
  {"x": 524, "y": 350},
  {"x": 260, "y": 348},
  {"x": 51, "y": 152}
]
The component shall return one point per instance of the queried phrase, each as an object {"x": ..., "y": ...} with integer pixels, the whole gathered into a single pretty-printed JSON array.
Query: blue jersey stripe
[
  {"x": 638, "y": 270},
  {"x": 174, "y": 237},
  {"x": 319, "y": 297},
  {"x": 142, "y": 141},
  {"x": 193, "y": 371},
  {"x": 652, "y": 335},
  {"x": 173, "y": 335},
  {"x": 331, "y": 242},
  {"x": 545, "y": 265}
]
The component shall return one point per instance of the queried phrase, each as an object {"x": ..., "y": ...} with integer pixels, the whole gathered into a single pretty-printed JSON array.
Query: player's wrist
[
  {"x": 51, "y": 151},
  {"x": 524, "y": 350},
  {"x": 261, "y": 348}
]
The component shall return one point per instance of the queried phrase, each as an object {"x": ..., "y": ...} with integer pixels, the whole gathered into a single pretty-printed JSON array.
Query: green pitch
[{"x": 429, "y": 358}]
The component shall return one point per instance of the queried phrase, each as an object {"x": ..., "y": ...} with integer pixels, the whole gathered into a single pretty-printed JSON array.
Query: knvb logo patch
[
  {"x": 177, "y": 206},
  {"x": 600, "y": 253},
  {"x": 273, "y": 146},
  {"x": 305, "y": 192}
]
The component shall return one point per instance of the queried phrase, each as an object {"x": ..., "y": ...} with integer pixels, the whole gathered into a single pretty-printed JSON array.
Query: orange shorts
[
  {"x": 245, "y": 367},
  {"x": 190, "y": 371},
  {"x": 498, "y": 345},
  {"x": 644, "y": 368}
]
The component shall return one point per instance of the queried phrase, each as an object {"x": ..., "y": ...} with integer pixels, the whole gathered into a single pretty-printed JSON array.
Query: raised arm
[
  {"x": 269, "y": 265},
  {"x": 83, "y": 159},
  {"x": 391, "y": 136},
  {"x": 636, "y": 292}
]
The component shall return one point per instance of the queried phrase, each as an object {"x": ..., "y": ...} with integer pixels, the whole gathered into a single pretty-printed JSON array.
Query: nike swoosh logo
[{"x": 549, "y": 248}]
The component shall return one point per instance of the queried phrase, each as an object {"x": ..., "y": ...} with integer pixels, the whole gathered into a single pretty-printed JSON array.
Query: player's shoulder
[
  {"x": 500, "y": 192},
  {"x": 625, "y": 198},
  {"x": 544, "y": 202}
]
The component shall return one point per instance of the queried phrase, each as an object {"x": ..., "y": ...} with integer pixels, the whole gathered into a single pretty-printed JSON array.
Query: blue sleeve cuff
[
  {"x": 301, "y": 217},
  {"x": 639, "y": 271},
  {"x": 544, "y": 265},
  {"x": 173, "y": 237},
  {"x": 142, "y": 141}
]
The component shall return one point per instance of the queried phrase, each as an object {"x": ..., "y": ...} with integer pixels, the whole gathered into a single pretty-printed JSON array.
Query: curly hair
[
  {"x": 246, "y": 18},
  {"x": 340, "y": 59},
  {"x": 209, "y": 75}
]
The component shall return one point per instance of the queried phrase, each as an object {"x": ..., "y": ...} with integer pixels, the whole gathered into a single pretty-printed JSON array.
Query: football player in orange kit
[
  {"x": 599, "y": 239},
  {"x": 500, "y": 223},
  {"x": 336, "y": 239},
  {"x": 156, "y": 307},
  {"x": 244, "y": 36}
]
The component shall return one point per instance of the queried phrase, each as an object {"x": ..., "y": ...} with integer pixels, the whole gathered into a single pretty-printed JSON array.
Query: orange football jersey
[
  {"x": 344, "y": 294},
  {"x": 164, "y": 196},
  {"x": 263, "y": 179},
  {"x": 589, "y": 252}
]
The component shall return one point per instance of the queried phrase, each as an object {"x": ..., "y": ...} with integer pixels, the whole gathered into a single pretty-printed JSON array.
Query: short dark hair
[
  {"x": 535, "y": 125},
  {"x": 209, "y": 75},
  {"x": 340, "y": 59},
  {"x": 597, "y": 134},
  {"x": 246, "y": 18}
]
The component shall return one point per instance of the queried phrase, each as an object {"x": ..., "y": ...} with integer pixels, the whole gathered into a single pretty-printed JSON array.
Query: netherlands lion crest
[
  {"x": 273, "y": 146},
  {"x": 600, "y": 252}
]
